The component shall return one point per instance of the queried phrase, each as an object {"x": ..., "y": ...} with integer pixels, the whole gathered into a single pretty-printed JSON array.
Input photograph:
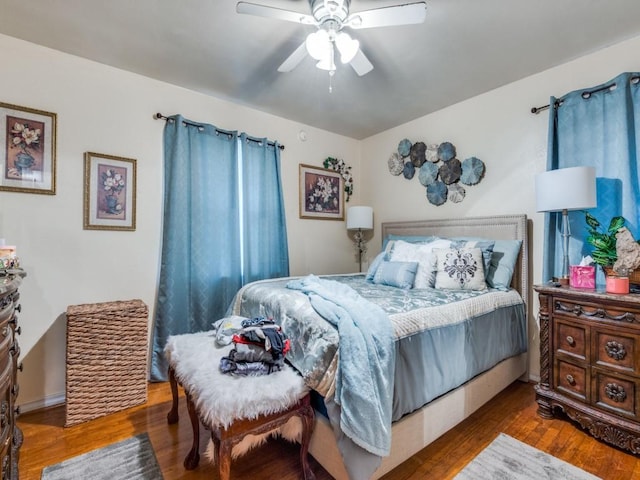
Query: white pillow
[
  {"x": 419, "y": 252},
  {"x": 460, "y": 269}
]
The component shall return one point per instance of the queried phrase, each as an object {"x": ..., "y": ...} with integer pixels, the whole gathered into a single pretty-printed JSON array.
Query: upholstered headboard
[{"x": 502, "y": 227}]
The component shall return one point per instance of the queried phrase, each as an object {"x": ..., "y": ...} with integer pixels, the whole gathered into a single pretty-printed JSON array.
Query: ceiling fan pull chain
[{"x": 332, "y": 72}]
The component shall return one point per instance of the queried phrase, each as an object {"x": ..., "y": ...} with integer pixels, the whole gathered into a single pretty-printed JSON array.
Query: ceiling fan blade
[
  {"x": 361, "y": 64},
  {"x": 388, "y": 16},
  {"x": 294, "y": 59},
  {"x": 272, "y": 12}
]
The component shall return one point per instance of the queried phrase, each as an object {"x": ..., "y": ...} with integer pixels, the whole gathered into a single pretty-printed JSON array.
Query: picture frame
[
  {"x": 321, "y": 193},
  {"x": 28, "y": 150},
  {"x": 109, "y": 192}
]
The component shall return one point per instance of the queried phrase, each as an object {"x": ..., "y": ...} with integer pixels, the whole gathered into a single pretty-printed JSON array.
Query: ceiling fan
[{"x": 330, "y": 17}]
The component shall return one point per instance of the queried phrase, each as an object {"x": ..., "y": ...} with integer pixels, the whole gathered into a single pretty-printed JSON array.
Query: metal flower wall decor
[
  {"x": 439, "y": 169},
  {"x": 345, "y": 171}
]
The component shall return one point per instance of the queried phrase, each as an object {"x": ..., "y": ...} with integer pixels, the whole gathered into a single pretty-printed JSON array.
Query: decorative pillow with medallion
[{"x": 459, "y": 269}]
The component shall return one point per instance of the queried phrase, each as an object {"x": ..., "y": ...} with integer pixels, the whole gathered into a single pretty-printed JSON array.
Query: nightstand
[{"x": 590, "y": 361}]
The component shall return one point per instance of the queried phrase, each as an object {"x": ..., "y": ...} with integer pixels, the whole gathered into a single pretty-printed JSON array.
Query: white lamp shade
[
  {"x": 347, "y": 46},
  {"x": 360, "y": 218},
  {"x": 327, "y": 64},
  {"x": 318, "y": 44},
  {"x": 566, "y": 189}
]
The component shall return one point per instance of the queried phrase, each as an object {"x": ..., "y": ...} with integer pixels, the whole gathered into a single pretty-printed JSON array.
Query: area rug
[
  {"x": 509, "y": 459},
  {"x": 131, "y": 459}
]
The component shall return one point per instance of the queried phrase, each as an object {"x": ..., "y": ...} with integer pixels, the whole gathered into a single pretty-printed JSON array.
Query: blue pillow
[
  {"x": 374, "y": 266},
  {"x": 396, "y": 274},
  {"x": 503, "y": 263}
]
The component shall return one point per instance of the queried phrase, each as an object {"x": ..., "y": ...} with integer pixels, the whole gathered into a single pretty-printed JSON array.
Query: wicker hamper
[{"x": 106, "y": 359}]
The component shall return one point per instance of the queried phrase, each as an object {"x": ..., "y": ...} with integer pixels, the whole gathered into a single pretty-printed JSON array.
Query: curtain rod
[
  {"x": 159, "y": 116},
  {"x": 585, "y": 95}
]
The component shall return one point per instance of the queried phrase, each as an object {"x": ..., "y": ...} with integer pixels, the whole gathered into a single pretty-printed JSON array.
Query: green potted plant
[{"x": 603, "y": 240}]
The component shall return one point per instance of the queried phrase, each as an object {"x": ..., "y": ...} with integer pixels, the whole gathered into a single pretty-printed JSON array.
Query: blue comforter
[{"x": 366, "y": 362}]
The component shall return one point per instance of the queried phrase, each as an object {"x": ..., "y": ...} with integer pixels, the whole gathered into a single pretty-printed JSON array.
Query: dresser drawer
[
  {"x": 616, "y": 349},
  {"x": 587, "y": 310},
  {"x": 6, "y": 424},
  {"x": 571, "y": 339},
  {"x": 5, "y": 456},
  {"x": 6, "y": 309},
  {"x": 571, "y": 379},
  {"x": 615, "y": 393}
]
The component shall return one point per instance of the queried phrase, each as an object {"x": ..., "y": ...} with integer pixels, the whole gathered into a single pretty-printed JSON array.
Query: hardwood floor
[{"x": 513, "y": 412}]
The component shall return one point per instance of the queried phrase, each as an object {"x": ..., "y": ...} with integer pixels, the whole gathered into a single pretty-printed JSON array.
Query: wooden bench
[{"x": 226, "y": 436}]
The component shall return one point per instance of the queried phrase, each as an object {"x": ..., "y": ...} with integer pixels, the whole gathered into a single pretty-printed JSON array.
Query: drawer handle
[
  {"x": 19, "y": 308},
  {"x": 19, "y": 330},
  {"x": 571, "y": 380},
  {"x": 615, "y": 350},
  {"x": 615, "y": 392},
  {"x": 571, "y": 341}
]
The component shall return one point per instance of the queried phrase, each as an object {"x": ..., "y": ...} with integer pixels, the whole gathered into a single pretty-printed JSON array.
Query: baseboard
[{"x": 50, "y": 401}]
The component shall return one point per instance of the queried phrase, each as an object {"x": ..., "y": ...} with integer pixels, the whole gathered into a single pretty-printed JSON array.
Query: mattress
[{"x": 443, "y": 338}]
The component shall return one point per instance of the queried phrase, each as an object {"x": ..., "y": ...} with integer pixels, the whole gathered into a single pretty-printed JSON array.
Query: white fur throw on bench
[{"x": 220, "y": 398}]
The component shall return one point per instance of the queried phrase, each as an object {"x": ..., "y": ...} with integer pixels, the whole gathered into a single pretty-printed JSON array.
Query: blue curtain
[
  {"x": 223, "y": 226},
  {"x": 266, "y": 253},
  {"x": 598, "y": 127}
]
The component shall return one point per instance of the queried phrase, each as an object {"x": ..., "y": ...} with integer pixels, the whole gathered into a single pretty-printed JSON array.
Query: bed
[{"x": 426, "y": 401}]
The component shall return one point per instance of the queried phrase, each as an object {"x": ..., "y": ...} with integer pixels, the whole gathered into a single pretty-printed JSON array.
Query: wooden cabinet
[
  {"x": 590, "y": 361},
  {"x": 10, "y": 434}
]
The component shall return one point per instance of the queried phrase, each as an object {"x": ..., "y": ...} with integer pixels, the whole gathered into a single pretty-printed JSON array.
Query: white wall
[
  {"x": 498, "y": 128},
  {"x": 106, "y": 110}
]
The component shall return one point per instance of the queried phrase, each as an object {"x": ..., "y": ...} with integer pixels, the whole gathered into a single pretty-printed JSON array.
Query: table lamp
[
  {"x": 562, "y": 190},
  {"x": 360, "y": 218}
]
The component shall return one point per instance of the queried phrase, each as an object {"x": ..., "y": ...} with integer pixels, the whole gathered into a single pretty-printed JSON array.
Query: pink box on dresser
[{"x": 582, "y": 276}]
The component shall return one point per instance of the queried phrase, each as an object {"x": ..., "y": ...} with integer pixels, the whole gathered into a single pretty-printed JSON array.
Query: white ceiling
[{"x": 464, "y": 48}]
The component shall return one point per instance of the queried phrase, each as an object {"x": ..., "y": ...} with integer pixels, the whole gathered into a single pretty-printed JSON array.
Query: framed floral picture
[
  {"x": 321, "y": 193},
  {"x": 109, "y": 192},
  {"x": 28, "y": 150}
]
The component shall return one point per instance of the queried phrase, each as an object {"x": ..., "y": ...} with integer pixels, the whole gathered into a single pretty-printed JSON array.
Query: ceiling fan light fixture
[
  {"x": 328, "y": 63},
  {"x": 333, "y": 6},
  {"x": 318, "y": 44},
  {"x": 347, "y": 46}
]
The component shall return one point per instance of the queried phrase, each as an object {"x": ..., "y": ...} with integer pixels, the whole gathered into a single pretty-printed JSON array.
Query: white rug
[{"x": 509, "y": 459}]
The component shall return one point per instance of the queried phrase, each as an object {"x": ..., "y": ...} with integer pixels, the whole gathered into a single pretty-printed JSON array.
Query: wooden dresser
[
  {"x": 590, "y": 361},
  {"x": 10, "y": 434}
]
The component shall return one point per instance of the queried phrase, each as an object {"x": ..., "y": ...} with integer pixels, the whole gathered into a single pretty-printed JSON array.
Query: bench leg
[
  {"x": 306, "y": 415},
  {"x": 172, "y": 416},
  {"x": 193, "y": 457},
  {"x": 223, "y": 452}
]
